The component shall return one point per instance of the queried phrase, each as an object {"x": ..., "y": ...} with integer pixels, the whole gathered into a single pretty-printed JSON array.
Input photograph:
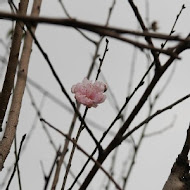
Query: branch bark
[
  {"x": 12, "y": 63},
  {"x": 12, "y": 122},
  {"x": 99, "y": 29},
  {"x": 117, "y": 140},
  {"x": 179, "y": 178}
]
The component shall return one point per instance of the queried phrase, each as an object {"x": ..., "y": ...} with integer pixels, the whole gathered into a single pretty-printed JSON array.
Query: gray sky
[{"x": 71, "y": 56}]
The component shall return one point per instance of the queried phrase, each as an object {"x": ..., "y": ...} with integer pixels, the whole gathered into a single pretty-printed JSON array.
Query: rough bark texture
[
  {"x": 179, "y": 178},
  {"x": 12, "y": 63},
  {"x": 12, "y": 122}
]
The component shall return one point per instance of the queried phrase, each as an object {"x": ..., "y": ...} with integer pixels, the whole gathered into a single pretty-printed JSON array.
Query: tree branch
[
  {"x": 6, "y": 142},
  {"x": 12, "y": 63},
  {"x": 179, "y": 178},
  {"x": 99, "y": 29},
  {"x": 84, "y": 152}
]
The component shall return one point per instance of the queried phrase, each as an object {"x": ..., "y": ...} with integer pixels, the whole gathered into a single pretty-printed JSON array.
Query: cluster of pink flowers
[{"x": 88, "y": 93}]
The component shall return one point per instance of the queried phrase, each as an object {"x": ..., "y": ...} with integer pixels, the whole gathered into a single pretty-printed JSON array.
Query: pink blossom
[{"x": 88, "y": 93}]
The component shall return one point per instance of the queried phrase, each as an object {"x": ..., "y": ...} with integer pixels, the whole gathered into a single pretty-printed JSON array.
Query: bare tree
[{"x": 125, "y": 129}]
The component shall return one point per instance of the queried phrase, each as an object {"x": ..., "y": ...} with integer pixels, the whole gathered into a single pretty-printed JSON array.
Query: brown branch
[
  {"x": 179, "y": 178},
  {"x": 172, "y": 30},
  {"x": 154, "y": 115},
  {"x": 6, "y": 142},
  {"x": 47, "y": 178},
  {"x": 60, "y": 103},
  {"x": 99, "y": 29},
  {"x": 161, "y": 131},
  {"x": 81, "y": 32},
  {"x": 81, "y": 126},
  {"x": 12, "y": 64},
  {"x": 63, "y": 153},
  {"x": 73, "y": 150},
  {"x": 118, "y": 137},
  {"x": 84, "y": 152},
  {"x": 147, "y": 38},
  {"x": 118, "y": 116},
  {"x": 85, "y": 25},
  {"x": 65, "y": 148}
]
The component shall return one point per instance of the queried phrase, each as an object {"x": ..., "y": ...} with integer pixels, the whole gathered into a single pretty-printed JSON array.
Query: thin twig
[
  {"x": 84, "y": 25},
  {"x": 42, "y": 168},
  {"x": 59, "y": 81},
  {"x": 81, "y": 126},
  {"x": 17, "y": 167},
  {"x": 145, "y": 29},
  {"x": 39, "y": 115},
  {"x": 72, "y": 151},
  {"x": 154, "y": 115},
  {"x": 117, "y": 140},
  {"x": 47, "y": 178},
  {"x": 16, "y": 162},
  {"x": 179, "y": 176},
  {"x": 161, "y": 131},
  {"x": 172, "y": 30},
  {"x": 102, "y": 59},
  {"x": 101, "y": 30},
  {"x": 116, "y": 118},
  {"x": 78, "y": 107},
  {"x": 60, "y": 103},
  {"x": 136, "y": 146},
  {"x": 84, "y": 152},
  {"x": 81, "y": 32}
]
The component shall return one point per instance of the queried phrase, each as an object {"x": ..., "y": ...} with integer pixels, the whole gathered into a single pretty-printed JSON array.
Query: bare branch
[
  {"x": 84, "y": 152},
  {"x": 179, "y": 178},
  {"x": 12, "y": 64},
  {"x": 18, "y": 157},
  {"x": 118, "y": 137},
  {"x": 172, "y": 30},
  {"x": 101, "y": 30},
  {"x": 161, "y": 131},
  {"x": 147, "y": 38},
  {"x": 154, "y": 115}
]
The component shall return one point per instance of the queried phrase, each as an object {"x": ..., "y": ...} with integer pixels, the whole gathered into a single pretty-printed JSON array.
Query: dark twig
[
  {"x": 78, "y": 106},
  {"x": 69, "y": 16},
  {"x": 179, "y": 176},
  {"x": 102, "y": 59},
  {"x": 84, "y": 152},
  {"x": 84, "y": 25},
  {"x": 47, "y": 178},
  {"x": 43, "y": 170},
  {"x": 111, "y": 170},
  {"x": 161, "y": 131},
  {"x": 81, "y": 126},
  {"x": 172, "y": 30},
  {"x": 143, "y": 132},
  {"x": 145, "y": 29},
  {"x": 17, "y": 167},
  {"x": 73, "y": 150},
  {"x": 59, "y": 81},
  {"x": 154, "y": 115},
  {"x": 72, "y": 174},
  {"x": 38, "y": 112},
  {"x": 101, "y": 30},
  {"x": 117, "y": 140},
  {"x": 116, "y": 118},
  {"x": 60, "y": 103},
  {"x": 16, "y": 162}
]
